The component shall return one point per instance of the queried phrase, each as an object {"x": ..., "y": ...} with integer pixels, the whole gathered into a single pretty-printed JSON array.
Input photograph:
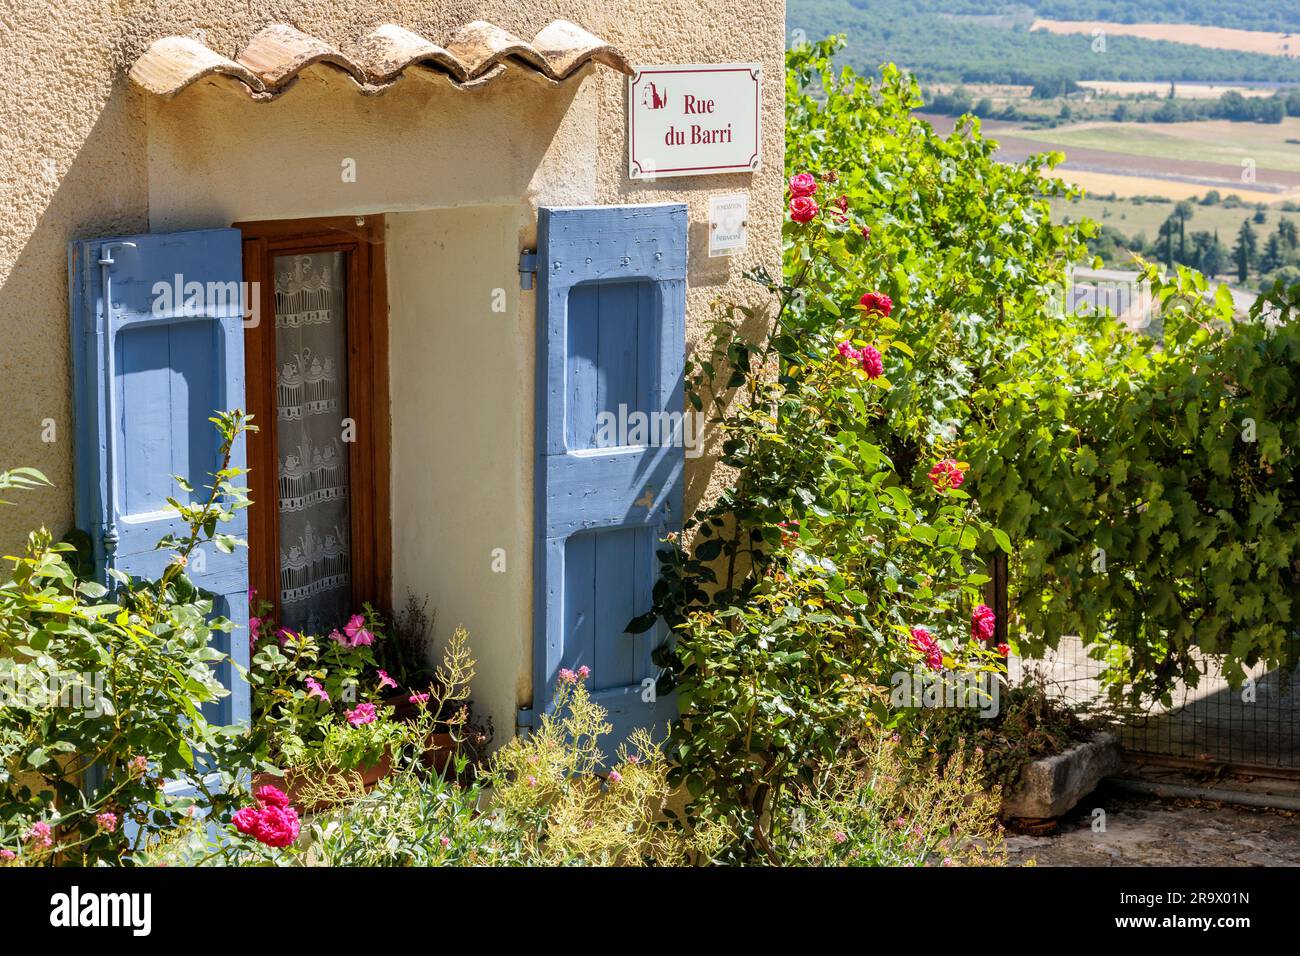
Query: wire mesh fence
[{"x": 1255, "y": 725}]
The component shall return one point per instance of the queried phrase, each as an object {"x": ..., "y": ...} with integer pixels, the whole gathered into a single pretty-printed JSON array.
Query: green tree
[{"x": 1243, "y": 253}]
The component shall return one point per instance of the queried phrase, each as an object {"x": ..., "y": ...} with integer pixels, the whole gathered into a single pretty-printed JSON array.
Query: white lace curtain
[{"x": 311, "y": 403}]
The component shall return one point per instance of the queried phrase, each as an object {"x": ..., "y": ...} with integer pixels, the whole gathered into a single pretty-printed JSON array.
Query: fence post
[{"x": 996, "y": 595}]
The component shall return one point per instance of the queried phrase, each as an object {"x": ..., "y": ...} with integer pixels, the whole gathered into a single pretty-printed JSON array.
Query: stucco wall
[{"x": 82, "y": 153}]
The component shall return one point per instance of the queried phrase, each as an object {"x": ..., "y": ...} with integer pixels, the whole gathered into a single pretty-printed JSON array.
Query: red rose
[
  {"x": 1004, "y": 649},
  {"x": 877, "y": 302},
  {"x": 802, "y": 209},
  {"x": 866, "y": 232},
  {"x": 802, "y": 184}
]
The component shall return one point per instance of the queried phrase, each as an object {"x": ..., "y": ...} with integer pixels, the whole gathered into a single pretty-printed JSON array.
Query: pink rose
[
  {"x": 872, "y": 364},
  {"x": 277, "y": 826},
  {"x": 848, "y": 352},
  {"x": 982, "y": 622},
  {"x": 802, "y": 185},
  {"x": 924, "y": 642},
  {"x": 877, "y": 302},
  {"x": 272, "y": 821},
  {"x": 946, "y": 474},
  {"x": 361, "y": 714},
  {"x": 843, "y": 203},
  {"x": 273, "y": 796},
  {"x": 803, "y": 209}
]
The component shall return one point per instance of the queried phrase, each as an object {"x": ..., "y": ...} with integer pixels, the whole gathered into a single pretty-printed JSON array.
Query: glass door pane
[{"x": 311, "y": 404}]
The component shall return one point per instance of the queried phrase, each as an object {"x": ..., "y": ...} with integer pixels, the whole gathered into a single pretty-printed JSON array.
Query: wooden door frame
[{"x": 362, "y": 241}]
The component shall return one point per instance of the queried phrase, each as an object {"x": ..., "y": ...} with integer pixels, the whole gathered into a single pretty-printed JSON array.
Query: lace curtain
[{"x": 311, "y": 403}]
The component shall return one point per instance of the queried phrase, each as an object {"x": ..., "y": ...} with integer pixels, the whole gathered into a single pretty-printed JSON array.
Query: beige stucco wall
[{"x": 82, "y": 153}]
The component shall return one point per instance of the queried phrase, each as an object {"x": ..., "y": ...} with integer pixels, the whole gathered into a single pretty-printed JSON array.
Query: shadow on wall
[
  {"x": 57, "y": 191},
  {"x": 322, "y": 149}
]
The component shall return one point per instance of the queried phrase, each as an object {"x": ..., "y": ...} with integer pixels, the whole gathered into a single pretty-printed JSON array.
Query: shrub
[{"x": 104, "y": 694}]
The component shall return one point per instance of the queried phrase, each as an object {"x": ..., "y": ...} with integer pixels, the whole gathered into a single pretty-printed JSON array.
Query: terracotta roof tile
[{"x": 475, "y": 54}]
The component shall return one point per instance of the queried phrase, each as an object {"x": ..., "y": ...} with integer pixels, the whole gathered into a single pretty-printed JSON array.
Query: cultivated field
[
  {"x": 1183, "y": 91},
  {"x": 1133, "y": 218},
  {"x": 1210, "y": 141},
  {"x": 1128, "y": 186},
  {"x": 1219, "y": 38}
]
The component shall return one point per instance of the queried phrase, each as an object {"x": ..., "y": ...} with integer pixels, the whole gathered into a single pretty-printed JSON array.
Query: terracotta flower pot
[{"x": 295, "y": 782}]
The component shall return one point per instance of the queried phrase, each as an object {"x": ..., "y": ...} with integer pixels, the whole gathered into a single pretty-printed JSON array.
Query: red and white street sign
[{"x": 694, "y": 120}]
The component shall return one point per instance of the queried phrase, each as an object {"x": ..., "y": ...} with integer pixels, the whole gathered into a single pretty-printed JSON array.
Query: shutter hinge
[{"x": 527, "y": 268}]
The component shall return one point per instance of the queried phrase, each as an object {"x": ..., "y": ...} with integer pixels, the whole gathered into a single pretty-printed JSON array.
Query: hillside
[{"x": 966, "y": 41}]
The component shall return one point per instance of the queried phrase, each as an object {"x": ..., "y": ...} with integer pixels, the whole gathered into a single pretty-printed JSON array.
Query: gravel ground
[{"x": 1149, "y": 831}]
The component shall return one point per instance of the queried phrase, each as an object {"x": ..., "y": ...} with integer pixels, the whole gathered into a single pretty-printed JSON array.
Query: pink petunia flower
[
  {"x": 314, "y": 689},
  {"x": 422, "y": 698},
  {"x": 356, "y": 632},
  {"x": 386, "y": 681},
  {"x": 362, "y": 714}
]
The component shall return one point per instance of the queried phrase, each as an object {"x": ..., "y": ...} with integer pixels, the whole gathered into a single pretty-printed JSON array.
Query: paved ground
[{"x": 1148, "y": 831}]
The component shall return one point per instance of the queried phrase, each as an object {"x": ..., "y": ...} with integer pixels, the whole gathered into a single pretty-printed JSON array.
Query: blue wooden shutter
[
  {"x": 153, "y": 356},
  {"x": 611, "y": 333}
]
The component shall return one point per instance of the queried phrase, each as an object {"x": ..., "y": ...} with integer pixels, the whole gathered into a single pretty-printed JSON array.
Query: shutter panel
[
  {"x": 157, "y": 347},
  {"x": 611, "y": 339}
]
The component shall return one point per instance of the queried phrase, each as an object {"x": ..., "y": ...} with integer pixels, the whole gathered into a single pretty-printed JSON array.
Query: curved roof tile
[{"x": 476, "y": 54}]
